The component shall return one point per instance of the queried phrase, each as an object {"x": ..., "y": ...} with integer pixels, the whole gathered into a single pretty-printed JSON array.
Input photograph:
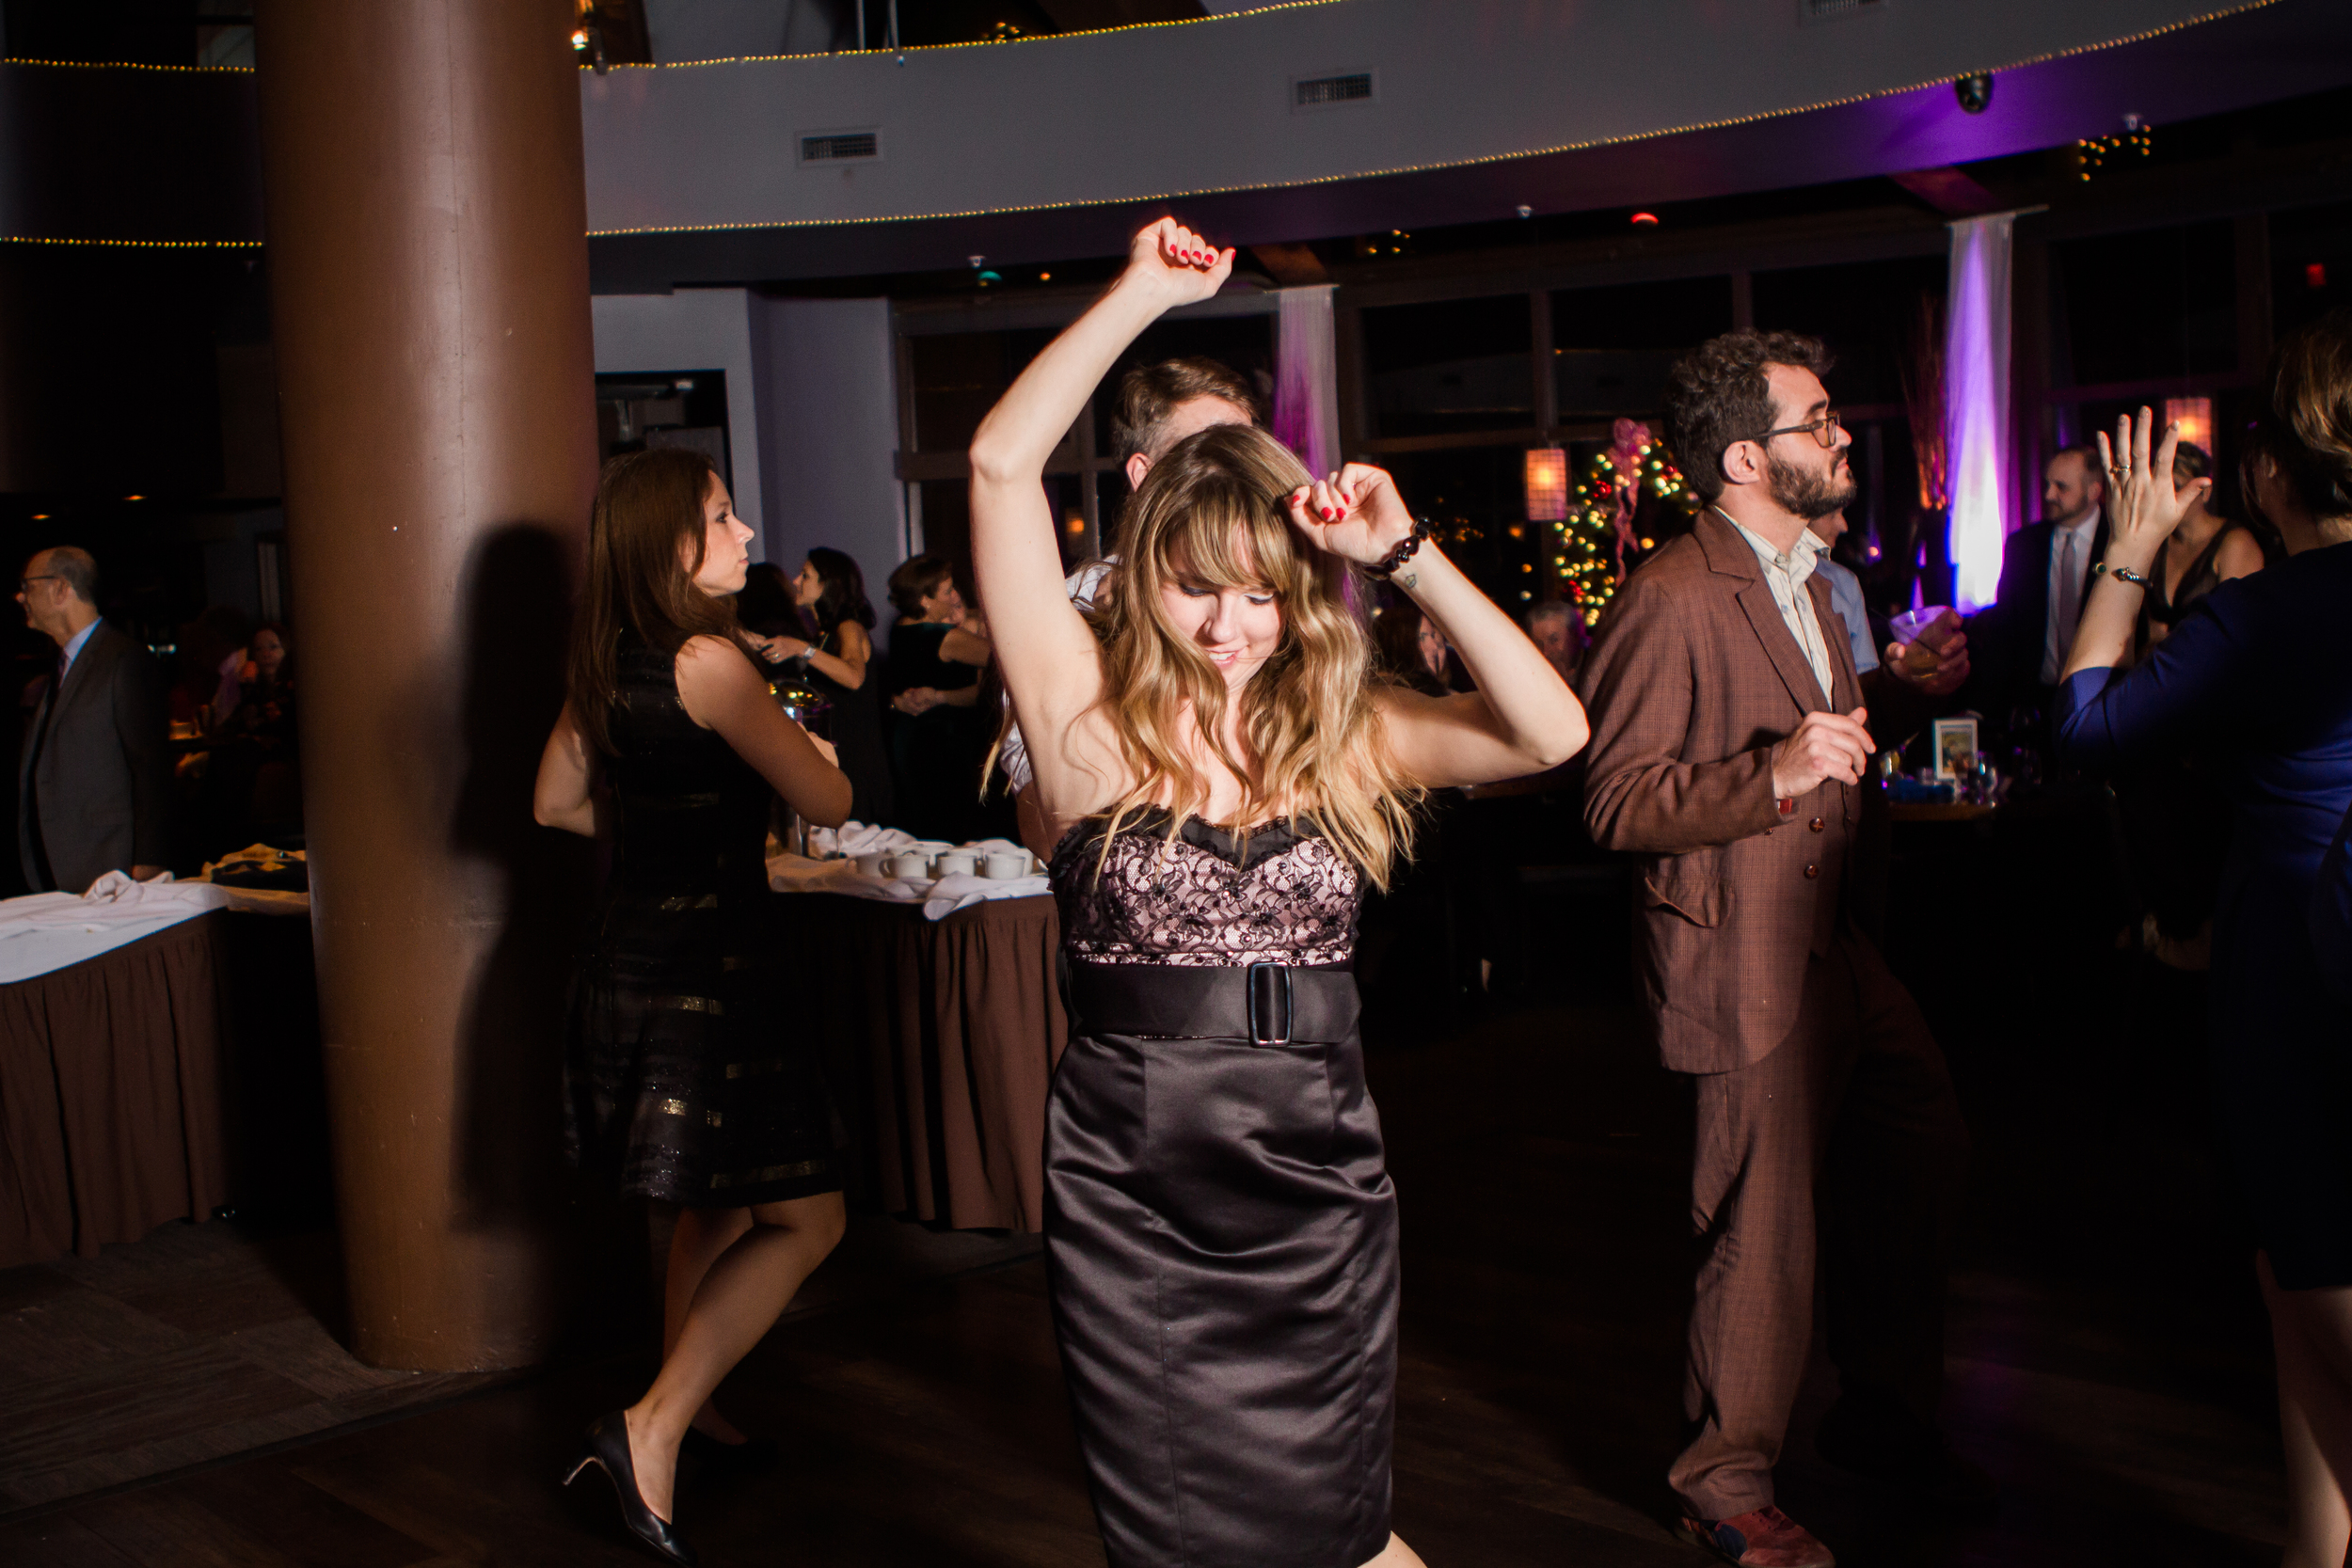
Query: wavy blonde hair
[{"x": 1212, "y": 511}]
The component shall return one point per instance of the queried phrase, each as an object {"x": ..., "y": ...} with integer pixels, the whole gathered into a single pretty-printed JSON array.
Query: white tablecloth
[{"x": 46, "y": 931}]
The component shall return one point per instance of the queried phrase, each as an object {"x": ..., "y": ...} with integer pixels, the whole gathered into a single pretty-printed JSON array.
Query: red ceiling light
[
  {"x": 1644, "y": 220},
  {"x": 2315, "y": 276}
]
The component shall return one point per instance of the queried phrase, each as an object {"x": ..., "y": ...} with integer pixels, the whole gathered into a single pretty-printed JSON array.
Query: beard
[{"x": 1810, "y": 495}]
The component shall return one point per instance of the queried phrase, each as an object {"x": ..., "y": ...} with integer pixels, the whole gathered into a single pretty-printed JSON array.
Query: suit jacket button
[
  {"x": 1811, "y": 872},
  {"x": 1815, "y": 824}
]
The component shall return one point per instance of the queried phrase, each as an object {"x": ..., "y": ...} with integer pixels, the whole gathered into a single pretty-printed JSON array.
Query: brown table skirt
[
  {"x": 110, "y": 1095},
  {"x": 952, "y": 1028}
]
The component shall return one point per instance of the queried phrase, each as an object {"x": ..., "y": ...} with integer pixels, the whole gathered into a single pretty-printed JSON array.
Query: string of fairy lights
[{"x": 2092, "y": 154}]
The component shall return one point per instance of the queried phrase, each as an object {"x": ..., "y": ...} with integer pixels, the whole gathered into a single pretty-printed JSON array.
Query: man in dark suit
[
  {"x": 1730, "y": 751},
  {"x": 94, "y": 781},
  {"x": 2020, "y": 642}
]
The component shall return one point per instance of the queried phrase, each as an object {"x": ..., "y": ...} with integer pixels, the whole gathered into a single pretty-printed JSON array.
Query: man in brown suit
[{"x": 1731, "y": 744}]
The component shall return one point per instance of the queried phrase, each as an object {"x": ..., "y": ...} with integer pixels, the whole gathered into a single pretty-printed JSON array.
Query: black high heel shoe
[{"x": 608, "y": 1449}]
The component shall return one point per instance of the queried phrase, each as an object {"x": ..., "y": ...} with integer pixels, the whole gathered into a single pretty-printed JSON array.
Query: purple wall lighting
[
  {"x": 1975, "y": 403},
  {"x": 1305, "y": 377}
]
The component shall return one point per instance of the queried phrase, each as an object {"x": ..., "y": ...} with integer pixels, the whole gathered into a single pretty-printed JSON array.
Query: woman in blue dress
[{"x": 2255, "y": 682}]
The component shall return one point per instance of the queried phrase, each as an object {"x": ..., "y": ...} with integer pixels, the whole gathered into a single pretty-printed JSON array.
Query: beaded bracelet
[{"x": 1386, "y": 567}]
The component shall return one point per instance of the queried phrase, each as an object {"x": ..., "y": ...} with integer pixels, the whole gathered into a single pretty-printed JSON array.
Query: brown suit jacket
[{"x": 1692, "y": 680}]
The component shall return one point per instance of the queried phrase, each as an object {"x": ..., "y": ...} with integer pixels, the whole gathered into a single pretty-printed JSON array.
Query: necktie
[
  {"x": 32, "y": 778},
  {"x": 2069, "y": 594}
]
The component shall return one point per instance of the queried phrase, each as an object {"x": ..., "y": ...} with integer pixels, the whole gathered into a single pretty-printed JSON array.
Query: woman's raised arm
[
  {"x": 1046, "y": 652},
  {"x": 1521, "y": 720}
]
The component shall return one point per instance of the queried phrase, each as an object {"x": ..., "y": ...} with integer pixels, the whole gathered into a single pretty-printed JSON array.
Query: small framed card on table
[{"x": 1955, "y": 747}]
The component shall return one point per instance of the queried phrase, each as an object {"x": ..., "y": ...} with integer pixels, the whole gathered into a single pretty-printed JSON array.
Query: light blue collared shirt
[
  {"x": 73, "y": 644},
  {"x": 1845, "y": 596}
]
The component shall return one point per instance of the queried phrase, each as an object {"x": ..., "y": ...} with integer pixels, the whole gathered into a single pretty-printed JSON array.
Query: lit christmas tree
[{"x": 1601, "y": 537}]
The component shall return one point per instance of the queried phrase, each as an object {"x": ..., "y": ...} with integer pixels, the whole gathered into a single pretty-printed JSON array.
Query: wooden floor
[
  {"x": 191, "y": 1344},
  {"x": 2108, "y": 1355},
  {"x": 202, "y": 1342}
]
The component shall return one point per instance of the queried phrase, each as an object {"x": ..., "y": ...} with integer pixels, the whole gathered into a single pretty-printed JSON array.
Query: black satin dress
[
  {"x": 684, "y": 1078},
  {"x": 1220, "y": 1231}
]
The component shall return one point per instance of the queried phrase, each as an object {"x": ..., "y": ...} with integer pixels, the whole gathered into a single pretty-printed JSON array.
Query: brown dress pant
[{"x": 1847, "y": 1132}]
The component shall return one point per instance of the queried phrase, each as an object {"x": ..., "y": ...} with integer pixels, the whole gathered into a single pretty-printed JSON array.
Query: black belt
[{"x": 1264, "y": 1004}]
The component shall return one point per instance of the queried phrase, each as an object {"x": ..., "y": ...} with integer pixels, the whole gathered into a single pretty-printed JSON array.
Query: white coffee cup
[
  {"x": 874, "y": 865},
  {"x": 954, "y": 862},
  {"x": 1006, "y": 866},
  {"x": 911, "y": 865}
]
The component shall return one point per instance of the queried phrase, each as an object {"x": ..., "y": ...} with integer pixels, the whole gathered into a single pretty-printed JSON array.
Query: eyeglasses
[
  {"x": 25, "y": 585},
  {"x": 1823, "y": 430}
]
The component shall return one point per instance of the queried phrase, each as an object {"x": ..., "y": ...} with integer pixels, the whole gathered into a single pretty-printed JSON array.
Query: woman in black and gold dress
[
  {"x": 1227, "y": 779},
  {"x": 684, "y": 1082}
]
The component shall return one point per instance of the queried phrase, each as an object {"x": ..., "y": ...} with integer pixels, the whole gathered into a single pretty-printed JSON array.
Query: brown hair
[
  {"x": 1148, "y": 394},
  {"x": 1718, "y": 395},
  {"x": 2306, "y": 429},
  {"x": 640, "y": 581},
  {"x": 918, "y": 578},
  {"x": 2190, "y": 461}
]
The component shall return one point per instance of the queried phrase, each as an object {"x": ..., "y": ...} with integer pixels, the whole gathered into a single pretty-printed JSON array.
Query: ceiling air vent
[
  {"x": 834, "y": 146},
  {"x": 1329, "y": 92},
  {"x": 1833, "y": 11}
]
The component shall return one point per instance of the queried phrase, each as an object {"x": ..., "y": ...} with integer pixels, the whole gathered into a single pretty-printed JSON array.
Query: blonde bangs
[{"x": 1212, "y": 511}]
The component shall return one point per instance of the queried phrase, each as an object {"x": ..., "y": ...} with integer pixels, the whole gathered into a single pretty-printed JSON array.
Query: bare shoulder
[
  {"x": 2240, "y": 555},
  {"x": 855, "y": 641},
  {"x": 711, "y": 668}
]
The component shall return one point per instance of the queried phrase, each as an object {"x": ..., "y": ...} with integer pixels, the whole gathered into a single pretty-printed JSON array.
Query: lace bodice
[{"x": 1279, "y": 895}]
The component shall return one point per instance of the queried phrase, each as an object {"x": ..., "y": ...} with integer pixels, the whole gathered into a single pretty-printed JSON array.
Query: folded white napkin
[
  {"x": 117, "y": 887},
  {"x": 863, "y": 838}
]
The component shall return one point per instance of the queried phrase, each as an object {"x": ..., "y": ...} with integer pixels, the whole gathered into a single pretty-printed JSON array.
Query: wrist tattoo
[{"x": 1406, "y": 579}]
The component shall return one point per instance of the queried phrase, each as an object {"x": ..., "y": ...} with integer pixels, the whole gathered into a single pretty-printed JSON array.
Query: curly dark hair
[{"x": 1718, "y": 395}]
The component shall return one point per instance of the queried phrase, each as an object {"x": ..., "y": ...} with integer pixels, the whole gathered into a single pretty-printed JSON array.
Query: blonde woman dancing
[{"x": 1226, "y": 778}]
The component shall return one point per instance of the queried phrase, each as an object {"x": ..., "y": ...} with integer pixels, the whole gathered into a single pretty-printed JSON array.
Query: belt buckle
[{"x": 1269, "y": 987}]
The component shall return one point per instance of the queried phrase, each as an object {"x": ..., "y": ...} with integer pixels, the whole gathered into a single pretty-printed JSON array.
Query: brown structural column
[{"x": 429, "y": 274}]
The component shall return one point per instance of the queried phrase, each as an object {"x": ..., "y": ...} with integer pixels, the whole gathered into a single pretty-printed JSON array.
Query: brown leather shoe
[{"x": 1766, "y": 1538}]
